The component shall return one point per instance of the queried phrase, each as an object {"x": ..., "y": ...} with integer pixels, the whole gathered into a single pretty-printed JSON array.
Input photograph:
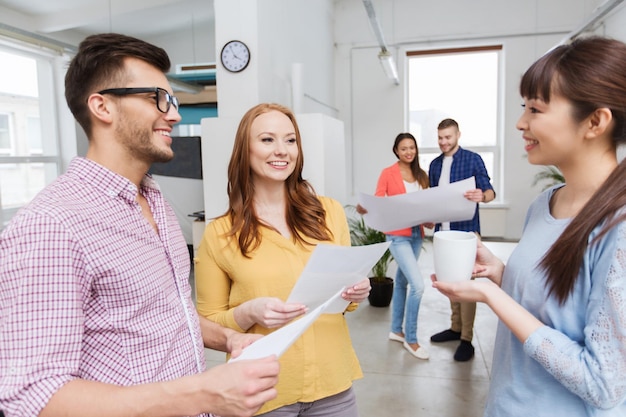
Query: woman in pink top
[{"x": 405, "y": 176}]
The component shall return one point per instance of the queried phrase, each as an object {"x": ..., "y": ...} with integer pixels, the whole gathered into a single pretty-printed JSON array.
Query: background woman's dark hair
[
  {"x": 590, "y": 73},
  {"x": 418, "y": 173},
  {"x": 99, "y": 64},
  {"x": 306, "y": 216}
]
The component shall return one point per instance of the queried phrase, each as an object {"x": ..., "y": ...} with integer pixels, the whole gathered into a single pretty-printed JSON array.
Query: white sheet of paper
[
  {"x": 432, "y": 205},
  {"x": 276, "y": 343},
  {"x": 332, "y": 268}
]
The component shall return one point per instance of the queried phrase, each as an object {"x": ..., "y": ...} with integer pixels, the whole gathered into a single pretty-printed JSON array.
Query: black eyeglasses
[{"x": 163, "y": 99}]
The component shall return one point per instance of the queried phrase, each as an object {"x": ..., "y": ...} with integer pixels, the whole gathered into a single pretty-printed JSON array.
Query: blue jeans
[{"x": 405, "y": 251}]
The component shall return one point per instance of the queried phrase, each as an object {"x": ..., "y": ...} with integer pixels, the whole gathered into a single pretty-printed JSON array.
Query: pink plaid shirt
[{"x": 89, "y": 290}]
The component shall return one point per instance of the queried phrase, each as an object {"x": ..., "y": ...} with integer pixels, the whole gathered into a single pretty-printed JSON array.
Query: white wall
[
  {"x": 279, "y": 33},
  {"x": 323, "y": 146},
  {"x": 191, "y": 46},
  {"x": 302, "y": 33},
  {"x": 372, "y": 107},
  {"x": 614, "y": 25}
]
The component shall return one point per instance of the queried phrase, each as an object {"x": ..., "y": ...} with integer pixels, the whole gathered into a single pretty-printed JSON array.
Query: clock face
[{"x": 235, "y": 56}]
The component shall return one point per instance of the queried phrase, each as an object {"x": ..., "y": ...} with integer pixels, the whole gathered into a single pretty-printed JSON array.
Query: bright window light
[{"x": 461, "y": 84}]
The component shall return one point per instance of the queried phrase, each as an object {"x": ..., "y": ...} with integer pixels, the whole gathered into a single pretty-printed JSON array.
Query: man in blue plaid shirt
[{"x": 456, "y": 164}]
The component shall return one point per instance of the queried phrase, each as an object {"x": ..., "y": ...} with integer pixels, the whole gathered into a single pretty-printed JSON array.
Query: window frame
[
  {"x": 7, "y": 151},
  {"x": 497, "y": 149},
  {"x": 47, "y": 66}
]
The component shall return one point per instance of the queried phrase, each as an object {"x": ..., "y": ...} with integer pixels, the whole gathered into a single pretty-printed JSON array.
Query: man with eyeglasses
[{"x": 97, "y": 315}]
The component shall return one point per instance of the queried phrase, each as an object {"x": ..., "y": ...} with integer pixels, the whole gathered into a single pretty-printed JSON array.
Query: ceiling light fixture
[
  {"x": 386, "y": 58},
  {"x": 389, "y": 65}
]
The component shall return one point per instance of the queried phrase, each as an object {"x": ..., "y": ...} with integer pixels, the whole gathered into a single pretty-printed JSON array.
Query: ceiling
[
  {"x": 139, "y": 18},
  {"x": 69, "y": 21}
]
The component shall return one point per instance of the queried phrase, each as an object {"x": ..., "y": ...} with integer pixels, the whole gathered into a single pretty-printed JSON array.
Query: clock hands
[{"x": 233, "y": 52}]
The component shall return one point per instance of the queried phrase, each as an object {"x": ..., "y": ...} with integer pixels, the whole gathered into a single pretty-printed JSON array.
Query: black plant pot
[{"x": 380, "y": 295}]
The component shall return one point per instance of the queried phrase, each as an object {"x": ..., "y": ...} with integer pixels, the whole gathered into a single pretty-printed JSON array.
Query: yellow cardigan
[{"x": 322, "y": 362}]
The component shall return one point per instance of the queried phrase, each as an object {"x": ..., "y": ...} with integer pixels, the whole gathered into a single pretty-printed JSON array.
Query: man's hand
[
  {"x": 237, "y": 341},
  {"x": 238, "y": 389},
  {"x": 475, "y": 195}
]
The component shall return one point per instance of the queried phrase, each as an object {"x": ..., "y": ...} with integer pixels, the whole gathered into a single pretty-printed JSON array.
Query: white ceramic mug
[{"x": 454, "y": 254}]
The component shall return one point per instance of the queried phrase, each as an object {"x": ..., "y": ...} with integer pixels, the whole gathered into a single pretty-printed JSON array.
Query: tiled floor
[{"x": 397, "y": 384}]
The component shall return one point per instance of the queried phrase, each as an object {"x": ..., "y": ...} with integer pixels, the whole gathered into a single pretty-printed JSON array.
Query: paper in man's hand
[{"x": 445, "y": 203}]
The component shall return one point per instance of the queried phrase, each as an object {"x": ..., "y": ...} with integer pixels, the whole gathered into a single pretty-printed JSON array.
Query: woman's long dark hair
[
  {"x": 306, "y": 216},
  {"x": 418, "y": 173},
  {"x": 589, "y": 73}
]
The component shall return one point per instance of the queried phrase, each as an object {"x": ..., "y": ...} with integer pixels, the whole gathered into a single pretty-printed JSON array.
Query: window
[
  {"x": 5, "y": 135},
  {"x": 462, "y": 84},
  {"x": 33, "y": 132},
  {"x": 27, "y": 163}
]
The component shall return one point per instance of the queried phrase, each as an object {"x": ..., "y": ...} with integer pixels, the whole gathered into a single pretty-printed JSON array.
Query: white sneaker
[
  {"x": 420, "y": 353},
  {"x": 395, "y": 337}
]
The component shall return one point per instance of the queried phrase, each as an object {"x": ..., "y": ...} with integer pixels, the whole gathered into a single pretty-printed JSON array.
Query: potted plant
[{"x": 382, "y": 285}]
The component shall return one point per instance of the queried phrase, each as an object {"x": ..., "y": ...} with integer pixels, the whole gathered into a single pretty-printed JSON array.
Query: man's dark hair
[
  {"x": 99, "y": 64},
  {"x": 446, "y": 123}
]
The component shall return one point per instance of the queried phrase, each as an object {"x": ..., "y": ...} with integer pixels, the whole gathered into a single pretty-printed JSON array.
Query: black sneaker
[
  {"x": 445, "y": 336},
  {"x": 464, "y": 352}
]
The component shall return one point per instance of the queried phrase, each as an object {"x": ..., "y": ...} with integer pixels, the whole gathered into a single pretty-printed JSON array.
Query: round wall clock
[{"x": 235, "y": 56}]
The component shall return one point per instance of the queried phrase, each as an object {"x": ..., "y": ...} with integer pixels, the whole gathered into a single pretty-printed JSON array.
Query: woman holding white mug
[{"x": 561, "y": 343}]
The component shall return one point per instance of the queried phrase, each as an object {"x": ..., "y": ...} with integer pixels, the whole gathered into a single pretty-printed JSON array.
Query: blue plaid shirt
[{"x": 465, "y": 164}]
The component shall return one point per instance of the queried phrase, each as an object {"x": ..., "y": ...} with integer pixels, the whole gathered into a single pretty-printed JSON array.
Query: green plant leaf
[
  {"x": 361, "y": 234},
  {"x": 550, "y": 174}
]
